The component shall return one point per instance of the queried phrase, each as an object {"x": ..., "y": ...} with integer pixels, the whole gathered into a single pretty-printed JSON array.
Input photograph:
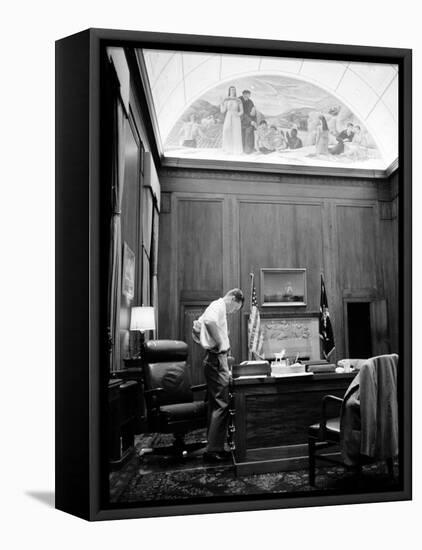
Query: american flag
[{"x": 255, "y": 333}]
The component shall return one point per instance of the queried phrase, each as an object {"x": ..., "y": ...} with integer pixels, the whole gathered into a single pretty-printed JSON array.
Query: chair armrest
[
  {"x": 153, "y": 391},
  {"x": 152, "y": 395},
  {"x": 199, "y": 387},
  {"x": 325, "y": 400}
]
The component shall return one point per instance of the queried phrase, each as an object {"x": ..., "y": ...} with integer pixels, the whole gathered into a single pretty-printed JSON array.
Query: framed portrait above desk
[{"x": 283, "y": 287}]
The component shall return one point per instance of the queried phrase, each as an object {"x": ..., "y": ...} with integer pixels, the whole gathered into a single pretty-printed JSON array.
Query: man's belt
[{"x": 215, "y": 352}]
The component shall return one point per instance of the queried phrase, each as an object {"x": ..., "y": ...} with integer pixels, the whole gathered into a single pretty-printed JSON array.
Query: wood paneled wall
[
  {"x": 216, "y": 228},
  {"x": 131, "y": 228},
  {"x": 137, "y": 221},
  {"x": 389, "y": 243}
]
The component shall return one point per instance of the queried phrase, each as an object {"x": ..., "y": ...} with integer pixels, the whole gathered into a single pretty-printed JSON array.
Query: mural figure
[
  {"x": 248, "y": 122},
  {"x": 293, "y": 140},
  {"x": 190, "y": 132},
  {"x": 342, "y": 138},
  {"x": 232, "y": 132},
  {"x": 322, "y": 136},
  {"x": 264, "y": 138},
  {"x": 357, "y": 149}
]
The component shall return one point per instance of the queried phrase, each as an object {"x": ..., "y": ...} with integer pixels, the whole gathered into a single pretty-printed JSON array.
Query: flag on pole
[
  {"x": 325, "y": 328},
  {"x": 255, "y": 333}
]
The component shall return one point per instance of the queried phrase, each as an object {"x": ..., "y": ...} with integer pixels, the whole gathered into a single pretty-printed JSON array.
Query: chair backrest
[
  {"x": 370, "y": 408},
  {"x": 379, "y": 408},
  {"x": 166, "y": 367},
  {"x": 354, "y": 363}
]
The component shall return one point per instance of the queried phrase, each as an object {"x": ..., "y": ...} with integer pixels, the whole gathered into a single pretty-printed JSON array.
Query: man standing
[
  {"x": 248, "y": 122},
  {"x": 214, "y": 337}
]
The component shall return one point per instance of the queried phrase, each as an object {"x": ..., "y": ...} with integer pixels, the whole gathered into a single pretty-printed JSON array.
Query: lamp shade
[{"x": 142, "y": 318}]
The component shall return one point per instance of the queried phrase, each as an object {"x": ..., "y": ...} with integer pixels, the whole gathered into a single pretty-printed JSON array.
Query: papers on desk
[
  {"x": 286, "y": 375},
  {"x": 252, "y": 377},
  {"x": 290, "y": 374}
]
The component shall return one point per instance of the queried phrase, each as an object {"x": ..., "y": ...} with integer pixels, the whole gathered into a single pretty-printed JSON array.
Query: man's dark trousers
[{"x": 217, "y": 376}]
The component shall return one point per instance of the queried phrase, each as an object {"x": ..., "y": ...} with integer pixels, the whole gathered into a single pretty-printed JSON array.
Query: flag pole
[
  {"x": 252, "y": 276},
  {"x": 321, "y": 345}
]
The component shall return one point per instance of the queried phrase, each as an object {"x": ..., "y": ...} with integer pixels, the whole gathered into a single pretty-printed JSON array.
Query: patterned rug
[{"x": 152, "y": 478}]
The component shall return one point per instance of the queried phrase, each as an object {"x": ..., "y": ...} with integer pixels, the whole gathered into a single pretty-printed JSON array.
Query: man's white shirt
[{"x": 215, "y": 312}]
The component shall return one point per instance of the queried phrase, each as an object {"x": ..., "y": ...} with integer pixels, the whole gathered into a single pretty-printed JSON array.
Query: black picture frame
[{"x": 81, "y": 233}]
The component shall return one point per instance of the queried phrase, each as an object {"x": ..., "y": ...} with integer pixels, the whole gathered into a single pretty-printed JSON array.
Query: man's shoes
[{"x": 216, "y": 457}]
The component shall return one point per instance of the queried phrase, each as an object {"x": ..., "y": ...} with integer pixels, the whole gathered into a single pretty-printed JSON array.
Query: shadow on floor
[{"x": 45, "y": 497}]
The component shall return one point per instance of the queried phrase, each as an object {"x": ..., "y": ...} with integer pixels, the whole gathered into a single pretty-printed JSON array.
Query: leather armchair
[{"x": 170, "y": 397}]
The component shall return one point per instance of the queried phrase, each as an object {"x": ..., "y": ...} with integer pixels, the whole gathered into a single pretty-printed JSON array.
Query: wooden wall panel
[
  {"x": 285, "y": 236},
  {"x": 266, "y": 238},
  {"x": 389, "y": 254},
  {"x": 131, "y": 228},
  {"x": 310, "y": 250},
  {"x": 192, "y": 267},
  {"x": 199, "y": 245},
  {"x": 136, "y": 222},
  {"x": 130, "y": 199},
  {"x": 196, "y": 354},
  {"x": 167, "y": 325},
  {"x": 356, "y": 232}
]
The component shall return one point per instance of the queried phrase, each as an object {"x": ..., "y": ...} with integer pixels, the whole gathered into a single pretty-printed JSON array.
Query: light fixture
[{"x": 142, "y": 318}]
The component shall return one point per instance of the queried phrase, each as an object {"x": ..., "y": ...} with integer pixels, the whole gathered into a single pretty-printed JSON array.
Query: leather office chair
[
  {"x": 367, "y": 427},
  {"x": 169, "y": 396}
]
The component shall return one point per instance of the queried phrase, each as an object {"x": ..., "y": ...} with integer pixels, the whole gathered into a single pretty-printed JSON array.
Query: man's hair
[
  {"x": 246, "y": 92},
  {"x": 262, "y": 122},
  {"x": 237, "y": 295}
]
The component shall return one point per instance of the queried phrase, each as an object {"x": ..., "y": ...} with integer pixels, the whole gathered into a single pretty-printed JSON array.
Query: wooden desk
[{"x": 272, "y": 416}]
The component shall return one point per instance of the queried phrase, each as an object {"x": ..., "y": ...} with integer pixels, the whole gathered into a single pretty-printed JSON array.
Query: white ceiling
[{"x": 369, "y": 90}]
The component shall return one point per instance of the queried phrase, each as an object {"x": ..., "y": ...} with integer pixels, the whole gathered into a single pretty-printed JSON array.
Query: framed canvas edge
[
  {"x": 183, "y": 509},
  {"x": 91, "y": 507}
]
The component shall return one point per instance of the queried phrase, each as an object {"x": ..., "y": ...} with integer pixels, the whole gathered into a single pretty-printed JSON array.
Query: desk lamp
[{"x": 142, "y": 318}]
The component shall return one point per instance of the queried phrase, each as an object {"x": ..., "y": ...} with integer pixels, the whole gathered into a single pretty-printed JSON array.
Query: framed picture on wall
[
  {"x": 283, "y": 287},
  {"x": 128, "y": 284},
  {"x": 199, "y": 160},
  {"x": 298, "y": 336}
]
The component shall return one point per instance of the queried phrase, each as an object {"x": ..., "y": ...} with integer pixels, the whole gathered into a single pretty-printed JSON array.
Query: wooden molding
[
  {"x": 392, "y": 168},
  {"x": 260, "y": 167}
]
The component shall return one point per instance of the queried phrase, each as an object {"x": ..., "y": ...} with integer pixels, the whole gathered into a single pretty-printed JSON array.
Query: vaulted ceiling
[{"x": 368, "y": 91}]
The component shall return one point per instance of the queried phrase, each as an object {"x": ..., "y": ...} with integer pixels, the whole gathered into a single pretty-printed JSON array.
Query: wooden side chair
[{"x": 369, "y": 407}]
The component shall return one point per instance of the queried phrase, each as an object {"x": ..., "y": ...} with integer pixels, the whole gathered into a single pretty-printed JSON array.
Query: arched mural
[
  {"x": 272, "y": 119},
  {"x": 308, "y": 112}
]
